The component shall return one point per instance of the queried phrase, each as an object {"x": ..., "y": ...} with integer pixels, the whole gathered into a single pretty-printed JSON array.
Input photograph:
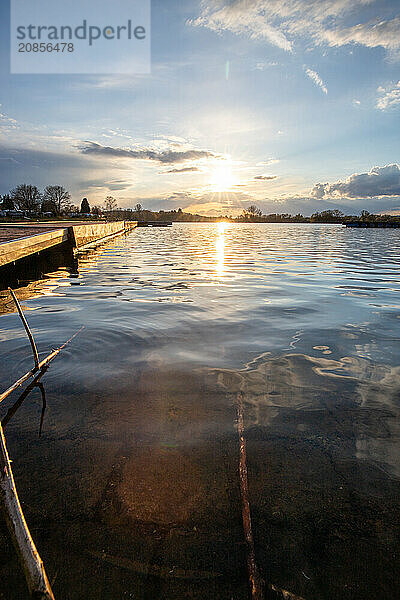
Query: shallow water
[{"x": 132, "y": 490}]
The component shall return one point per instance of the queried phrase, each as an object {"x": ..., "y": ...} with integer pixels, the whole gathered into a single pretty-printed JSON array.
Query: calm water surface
[{"x": 132, "y": 490}]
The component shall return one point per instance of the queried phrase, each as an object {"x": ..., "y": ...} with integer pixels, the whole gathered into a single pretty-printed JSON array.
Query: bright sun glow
[{"x": 222, "y": 178}]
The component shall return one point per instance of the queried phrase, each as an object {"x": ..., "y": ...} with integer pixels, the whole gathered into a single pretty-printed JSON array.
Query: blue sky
[{"x": 290, "y": 104}]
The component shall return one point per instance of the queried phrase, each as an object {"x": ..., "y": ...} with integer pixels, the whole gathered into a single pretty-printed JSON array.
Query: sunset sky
[{"x": 290, "y": 104}]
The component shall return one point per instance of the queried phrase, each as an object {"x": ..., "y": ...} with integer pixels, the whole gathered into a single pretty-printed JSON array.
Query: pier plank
[{"x": 26, "y": 246}]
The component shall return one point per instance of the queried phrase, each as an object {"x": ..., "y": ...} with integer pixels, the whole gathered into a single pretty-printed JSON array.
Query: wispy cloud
[
  {"x": 389, "y": 96},
  {"x": 262, "y": 66},
  {"x": 244, "y": 18},
  {"x": 268, "y": 162},
  {"x": 109, "y": 82},
  {"x": 183, "y": 170},
  {"x": 281, "y": 22},
  {"x": 313, "y": 75},
  {"x": 371, "y": 34},
  {"x": 165, "y": 156},
  {"x": 265, "y": 177}
]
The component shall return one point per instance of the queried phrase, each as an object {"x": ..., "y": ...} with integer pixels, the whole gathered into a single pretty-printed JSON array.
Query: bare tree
[
  {"x": 70, "y": 209},
  {"x": 110, "y": 203},
  {"x": 48, "y": 206},
  {"x": 6, "y": 202},
  {"x": 58, "y": 196},
  {"x": 26, "y": 197}
]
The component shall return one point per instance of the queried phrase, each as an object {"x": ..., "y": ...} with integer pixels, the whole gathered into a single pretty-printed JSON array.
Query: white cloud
[
  {"x": 379, "y": 181},
  {"x": 390, "y": 96},
  {"x": 313, "y": 75},
  {"x": 7, "y": 123}
]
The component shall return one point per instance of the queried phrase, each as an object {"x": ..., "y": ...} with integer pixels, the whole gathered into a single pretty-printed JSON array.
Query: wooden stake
[{"x": 28, "y": 331}]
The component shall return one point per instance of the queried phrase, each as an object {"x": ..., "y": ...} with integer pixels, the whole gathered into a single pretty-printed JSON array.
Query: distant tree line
[
  {"x": 55, "y": 201},
  {"x": 252, "y": 214}
]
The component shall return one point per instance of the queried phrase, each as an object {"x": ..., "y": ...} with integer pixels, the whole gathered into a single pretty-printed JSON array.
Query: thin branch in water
[
  {"x": 29, "y": 374},
  {"x": 13, "y": 409},
  {"x": 255, "y": 579},
  {"x": 31, "y": 562},
  {"x": 28, "y": 331},
  {"x": 35, "y": 574},
  {"x": 70, "y": 339},
  {"x": 44, "y": 404},
  {"x": 46, "y": 361},
  {"x": 258, "y": 589}
]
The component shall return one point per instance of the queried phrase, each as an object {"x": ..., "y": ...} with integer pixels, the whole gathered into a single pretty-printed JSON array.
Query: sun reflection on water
[{"x": 220, "y": 250}]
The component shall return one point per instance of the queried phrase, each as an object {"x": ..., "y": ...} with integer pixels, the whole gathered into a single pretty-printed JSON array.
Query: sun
[{"x": 222, "y": 178}]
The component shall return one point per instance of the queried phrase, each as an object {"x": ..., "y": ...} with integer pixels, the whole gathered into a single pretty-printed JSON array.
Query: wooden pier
[
  {"x": 374, "y": 224},
  {"x": 18, "y": 241},
  {"x": 154, "y": 223}
]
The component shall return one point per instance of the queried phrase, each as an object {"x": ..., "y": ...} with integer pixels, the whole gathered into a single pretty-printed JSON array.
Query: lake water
[{"x": 132, "y": 489}]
